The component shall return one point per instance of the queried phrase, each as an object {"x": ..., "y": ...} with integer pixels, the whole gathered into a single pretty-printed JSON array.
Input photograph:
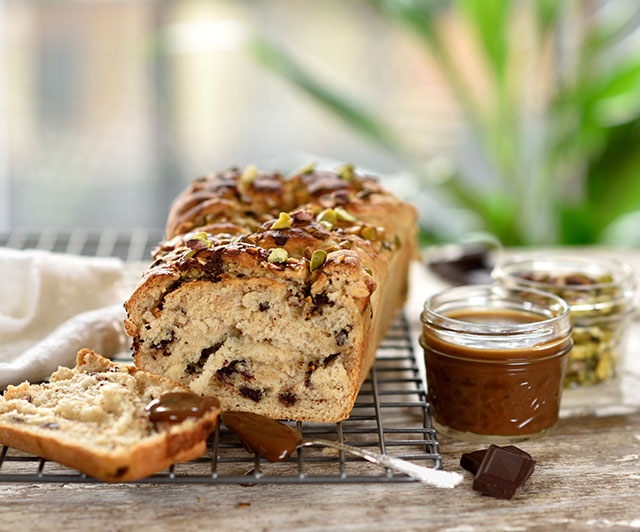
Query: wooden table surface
[{"x": 587, "y": 477}]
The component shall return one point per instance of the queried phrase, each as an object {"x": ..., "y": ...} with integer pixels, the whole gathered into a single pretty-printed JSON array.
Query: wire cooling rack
[
  {"x": 391, "y": 413},
  {"x": 131, "y": 246}
]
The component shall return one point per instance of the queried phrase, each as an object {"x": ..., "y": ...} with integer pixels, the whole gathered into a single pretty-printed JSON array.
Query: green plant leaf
[
  {"x": 622, "y": 78},
  {"x": 418, "y": 15},
  {"x": 613, "y": 178},
  {"x": 282, "y": 63},
  {"x": 612, "y": 24},
  {"x": 547, "y": 13},
  {"x": 584, "y": 112},
  {"x": 576, "y": 224},
  {"x": 489, "y": 19},
  {"x": 613, "y": 98},
  {"x": 493, "y": 133},
  {"x": 592, "y": 120},
  {"x": 496, "y": 210}
]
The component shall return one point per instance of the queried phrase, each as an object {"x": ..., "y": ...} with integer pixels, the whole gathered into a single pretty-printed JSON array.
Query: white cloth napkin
[{"x": 52, "y": 305}]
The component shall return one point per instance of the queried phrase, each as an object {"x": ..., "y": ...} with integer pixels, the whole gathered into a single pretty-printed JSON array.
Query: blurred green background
[{"x": 517, "y": 119}]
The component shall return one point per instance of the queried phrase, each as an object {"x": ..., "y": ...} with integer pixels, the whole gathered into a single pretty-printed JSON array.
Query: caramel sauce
[
  {"x": 495, "y": 316},
  {"x": 178, "y": 406},
  {"x": 267, "y": 437},
  {"x": 491, "y": 318},
  {"x": 497, "y": 390}
]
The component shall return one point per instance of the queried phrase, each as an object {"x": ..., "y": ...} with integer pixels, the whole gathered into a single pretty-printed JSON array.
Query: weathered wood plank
[{"x": 587, "y": 476}]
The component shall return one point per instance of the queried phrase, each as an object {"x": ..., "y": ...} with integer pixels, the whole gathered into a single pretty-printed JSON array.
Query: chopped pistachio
[
  {"x": 603, "y": 368},
  {"x": 317, "y": 259},
  {"x": 368, "y": 270},
  {"x": 584, "y": 351},
  {"x": 345, "y": 171},
  {"x": 328, "y": 215},
  {"x": 397, "y": 241},
  {"x": 283, "y": 221},
  {"x": 369, "y": 233},
  {"x": 344, "y": 215},
  {"x": 309, "y": 167},
  {"x": 189, "y": 254},
  {"x": 201, "y": 236},
  {"x": 594, "y": 353},
  {"x": 598, "y": 316},
  {"x": 327, "y": 225},
  {"x": 278, "y": 255},
  {"x": 249, "y": 175}
]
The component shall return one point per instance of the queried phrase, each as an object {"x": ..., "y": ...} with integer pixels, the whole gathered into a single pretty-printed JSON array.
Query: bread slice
[{"x": 93, "y": 418}]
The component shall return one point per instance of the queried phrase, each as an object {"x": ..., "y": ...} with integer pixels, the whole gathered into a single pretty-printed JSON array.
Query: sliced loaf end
[{"x": 93, "y": 418}]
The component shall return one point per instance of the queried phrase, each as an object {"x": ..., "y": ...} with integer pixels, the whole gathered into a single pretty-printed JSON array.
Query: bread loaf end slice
[{"x": 92, "y": 418}]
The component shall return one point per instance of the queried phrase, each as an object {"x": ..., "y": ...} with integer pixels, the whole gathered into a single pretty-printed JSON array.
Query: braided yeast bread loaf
[{"x": 273, "y": 294}]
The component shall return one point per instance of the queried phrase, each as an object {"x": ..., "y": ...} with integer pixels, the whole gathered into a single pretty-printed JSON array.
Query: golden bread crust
[
  {"x": 327, "y": 301},
  {"x": 156, "y": 449}
]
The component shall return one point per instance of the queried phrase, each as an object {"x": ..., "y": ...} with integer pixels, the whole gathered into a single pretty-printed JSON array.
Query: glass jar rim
[
  {"x": 622, "y": 273},
  {"x": 513, "y": 361},
  {"x": 432, "y": 316}
]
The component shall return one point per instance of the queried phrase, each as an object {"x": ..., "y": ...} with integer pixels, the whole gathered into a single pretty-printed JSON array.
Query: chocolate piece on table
[
  {"x": 471, "y": 461},
  {"x": 502, "y": 472},
  {"x": 462, "y": 263}
]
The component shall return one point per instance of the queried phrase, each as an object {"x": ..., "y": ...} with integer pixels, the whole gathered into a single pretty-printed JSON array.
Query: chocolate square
[
  {"x": 502, "y": 472},
  {"x": 471, "y": 461}
]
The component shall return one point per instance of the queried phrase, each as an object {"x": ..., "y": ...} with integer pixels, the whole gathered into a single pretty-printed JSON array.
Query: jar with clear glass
[
  {"x": 600, "y": 293},
  {"x": 495, "y": 360}
]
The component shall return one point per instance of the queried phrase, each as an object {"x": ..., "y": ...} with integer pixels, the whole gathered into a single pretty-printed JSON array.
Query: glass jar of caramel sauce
[{"x": 495, "y": 360}]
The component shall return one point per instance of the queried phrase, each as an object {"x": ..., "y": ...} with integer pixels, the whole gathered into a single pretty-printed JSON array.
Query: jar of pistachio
[{"x": 600, "y": 294}]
